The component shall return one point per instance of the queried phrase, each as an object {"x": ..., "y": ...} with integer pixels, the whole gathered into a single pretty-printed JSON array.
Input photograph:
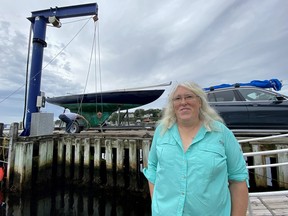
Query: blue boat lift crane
[{"x": 39, "y": 20}]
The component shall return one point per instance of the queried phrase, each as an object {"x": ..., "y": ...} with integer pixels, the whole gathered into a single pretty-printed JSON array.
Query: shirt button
[{"x": 183, "y": 193}]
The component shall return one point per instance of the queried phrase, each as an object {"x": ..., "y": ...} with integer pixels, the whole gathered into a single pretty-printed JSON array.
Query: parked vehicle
[{"x": 250, "y": 107}]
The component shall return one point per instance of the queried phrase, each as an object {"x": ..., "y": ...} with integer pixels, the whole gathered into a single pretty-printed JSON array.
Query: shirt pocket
[
  {"x": 211, "y": 159},
  {"x": 166, "y": 153}
]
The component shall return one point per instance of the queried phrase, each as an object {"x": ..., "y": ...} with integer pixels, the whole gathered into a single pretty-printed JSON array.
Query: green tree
[
  {"x": 114, "y": 117},
  {"x": 139, "y": 113}
]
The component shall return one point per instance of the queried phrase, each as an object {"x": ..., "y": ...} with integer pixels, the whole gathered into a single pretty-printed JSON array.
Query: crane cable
[
  {"x": 100, "y": 73},
  {"x": 94, "y": 54},
  {"x": 94, "y": 51}
]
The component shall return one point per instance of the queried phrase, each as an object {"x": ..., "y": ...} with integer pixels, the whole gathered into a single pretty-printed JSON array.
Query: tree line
[{"x": 152, "y": 115}]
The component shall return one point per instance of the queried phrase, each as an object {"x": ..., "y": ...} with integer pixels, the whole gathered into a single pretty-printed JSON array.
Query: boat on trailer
[{"x": 90, "y": 104}]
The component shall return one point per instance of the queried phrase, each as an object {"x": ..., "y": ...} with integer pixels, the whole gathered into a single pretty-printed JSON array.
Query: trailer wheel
[{"x": 75, "y": 128}]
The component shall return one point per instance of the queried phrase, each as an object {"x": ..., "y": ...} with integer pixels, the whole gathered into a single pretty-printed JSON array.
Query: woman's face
[{"x": 186, "y": 105}]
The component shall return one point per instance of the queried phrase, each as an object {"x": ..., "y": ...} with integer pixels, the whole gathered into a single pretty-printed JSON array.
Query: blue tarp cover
[{"x": 272, "y": 83}]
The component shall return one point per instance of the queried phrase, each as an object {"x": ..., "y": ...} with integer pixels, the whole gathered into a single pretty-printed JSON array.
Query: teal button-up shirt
[{"x": 194, "y": 182}]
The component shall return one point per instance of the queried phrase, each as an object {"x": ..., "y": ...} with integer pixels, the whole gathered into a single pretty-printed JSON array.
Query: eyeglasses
[{"x": 187, "y": 98}]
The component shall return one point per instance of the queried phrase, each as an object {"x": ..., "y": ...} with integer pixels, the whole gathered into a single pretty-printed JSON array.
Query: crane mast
[{"x": 39, "y": 20}]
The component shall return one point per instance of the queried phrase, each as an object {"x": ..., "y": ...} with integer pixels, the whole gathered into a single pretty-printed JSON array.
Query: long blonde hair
[{"x": 207, "y": 114}]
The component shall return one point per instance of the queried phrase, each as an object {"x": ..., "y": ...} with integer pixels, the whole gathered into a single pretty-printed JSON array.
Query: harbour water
[{"x": 67, "y": 201}]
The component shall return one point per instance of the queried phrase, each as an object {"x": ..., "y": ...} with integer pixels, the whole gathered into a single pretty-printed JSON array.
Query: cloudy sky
[{"x": 143, "y": 43}]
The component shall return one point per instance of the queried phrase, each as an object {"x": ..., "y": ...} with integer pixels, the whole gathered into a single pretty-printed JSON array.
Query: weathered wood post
[
  {"x": 260, "y": 173},
  {"x": 46, "y": 148},
  {"x": 109, "y": 164},
  {"x": 87, "y": 158},
  {"x": 60, "y": 158},
  {"x": 1, "y": 129},
  {"x": 68, "y": 158},
  {"x": 97, "y": 161},
  {"x": 145, "y": 149},
  {"x": 13, "y": 134},
  {"x": 282, "y": 170},
  {"x": 78, "y": 153},
  {"x": 120, "y": 163},
  {"x": 23, "y": 165},
  {"x": 133, "y": 165}
]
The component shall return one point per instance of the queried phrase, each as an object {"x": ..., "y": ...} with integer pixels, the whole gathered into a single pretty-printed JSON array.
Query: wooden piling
[
  {"x": 23, "y": 166},
  {"x": 282, "y": 170},
  {"x": 97, "y": 161},
  {"x": 260, "y": 173},
  {"x": 146, "y": 147},
  {"x": 86, "y": 161},
  {"x": 60, "y": 157},
  {"x": 77, "y": 159},
  {"x": 132, "y": 165},
  {"x": 1, "y": 129},
  {"x": 109, "y": 165},
  {"x": 68, "y": 158},
  {"x": 13, "y": 133},
  {"x": 120, "y": 163},
  {"x": 45, "y": 161}
]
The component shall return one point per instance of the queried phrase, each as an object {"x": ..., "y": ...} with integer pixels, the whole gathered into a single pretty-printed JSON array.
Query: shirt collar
[{"x": 176, "y": 135}]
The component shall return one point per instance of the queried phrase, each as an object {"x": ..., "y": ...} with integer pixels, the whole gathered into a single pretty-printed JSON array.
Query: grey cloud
[{"x": 147, "y": 42}]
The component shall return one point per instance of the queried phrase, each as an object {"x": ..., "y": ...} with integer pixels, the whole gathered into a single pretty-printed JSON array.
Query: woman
[{"x": 195, "y": 164}]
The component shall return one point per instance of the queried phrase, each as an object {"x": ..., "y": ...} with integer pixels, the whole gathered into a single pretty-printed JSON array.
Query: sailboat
[{"x": 89, "y": 104}]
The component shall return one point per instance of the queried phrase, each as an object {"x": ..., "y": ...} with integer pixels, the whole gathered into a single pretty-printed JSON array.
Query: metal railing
[{"x": 269, "y": 152}]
